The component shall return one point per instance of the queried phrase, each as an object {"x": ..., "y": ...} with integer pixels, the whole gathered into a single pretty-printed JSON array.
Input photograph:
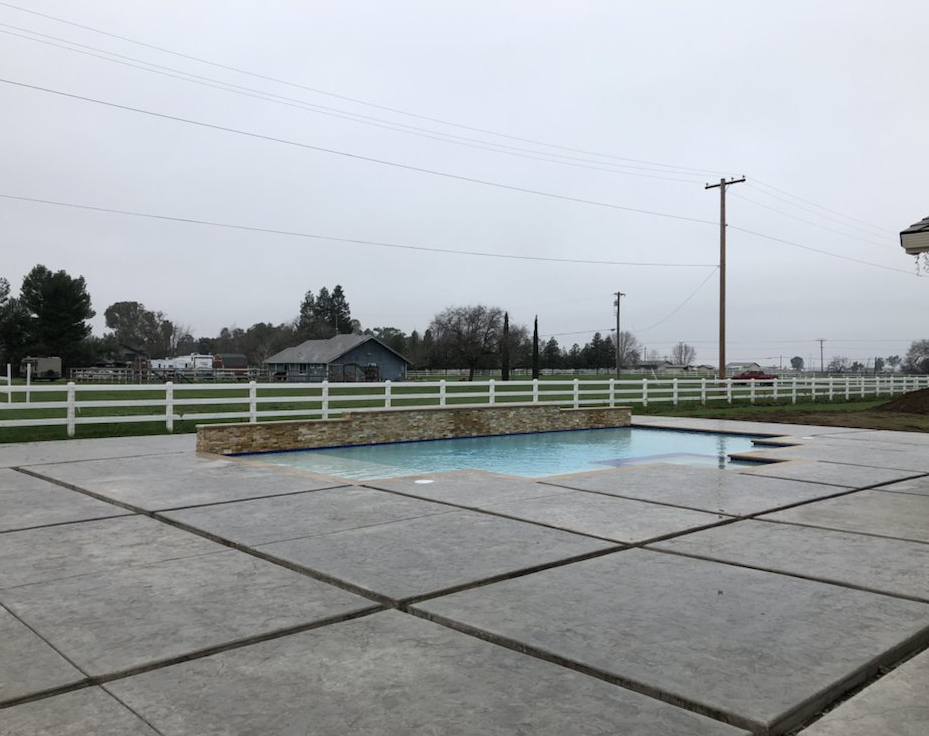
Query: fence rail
[{"x": 72, "y": 404}]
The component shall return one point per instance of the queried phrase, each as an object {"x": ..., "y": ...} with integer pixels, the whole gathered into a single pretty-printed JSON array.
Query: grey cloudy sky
[{"x": 636, "y": 105}]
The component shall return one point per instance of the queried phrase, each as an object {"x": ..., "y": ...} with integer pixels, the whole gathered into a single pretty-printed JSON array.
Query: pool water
[{"x": 528, "y": 455}]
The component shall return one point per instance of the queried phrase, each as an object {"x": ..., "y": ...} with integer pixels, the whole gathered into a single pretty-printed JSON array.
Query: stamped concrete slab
[
  {"x": 277, "y": 518},
  {"x": 896, "y": 704},
  {"x": 88, "y": 711},
  {"x": 92, "y": 547},
  {"x": 897, "y": 515},
  {"x": 694, "y": 487},
  {"x": 27, "y": 502},
  {"x": 917, "y": 486},
  {"x": 159, "y": 483},
  {"x": 858, "y": 560},
  {"x": 759, "y": 649},
  {"x": 394, "y": 675},
  {"x": 836, "y": 474},
  {"x": 468, "y": 488},
  {"x": 134, "y": 616},
  {"x": 29, "y": 665},
  {"x": 618, "y": 519},
  {"x": 422, "y": 556},
  {"x": 60, "y": 451},
  {"x": 877, "y": 455}
]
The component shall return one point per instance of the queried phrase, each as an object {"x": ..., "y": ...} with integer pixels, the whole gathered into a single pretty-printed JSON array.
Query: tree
[
  {"x": 893, "y": 361},
  {"x": 917, "y": 357},
  {"x": 535, "y": 348},
  {"x": 325, "y": 315},
  {"x": 796, "y": 363},
  {"x": 505, "y": 348},
  {"x": 838, "y": 364},
  {"x": 683, "y": 354},
  {"x": 629, "y": 350},
  {"x": 551, "y": 354},
  {"x": 470, "y": 335},
  {"x": 58, "y": 307},
  {"x": 878, "y": 365},
  {"x": 137, "y": 327}
]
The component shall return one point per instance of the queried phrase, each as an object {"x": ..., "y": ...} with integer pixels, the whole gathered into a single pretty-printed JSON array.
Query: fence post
[
  {"x": 252, "y": 402},
  {"x": 751, "y": 392},
  {"x": 703, "y": 391},
  {"x": 577, "y": 393},
  {"x": 28, "y": 380},
  {"x": 612, "y": 392},
  {"x": 535, "y": 390},
  {"x": 729, "y": 390},
  {"x": 848, "y": 388},
  {"x": 491, "y": 386},
  {"x": 386, "y": 394},
  {"x": 813, "y": 389},
  {"x": 442, "y": 392},
  {"x": 324, "y": 397},
  {"x": 70, "y": 410},
  {"x": 774, "y": 391},
  {"x": 169, "y": 406},
  {"x": 645, "y": 392},
  {"x": 9, "y": 383},
  {"x": 674, "y": 393},
  {"x": 831, "y": 385},
  {"x": 793, "y": 393}
]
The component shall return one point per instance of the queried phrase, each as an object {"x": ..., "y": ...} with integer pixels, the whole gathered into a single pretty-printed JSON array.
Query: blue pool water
[{"x": 528, "y": 455}]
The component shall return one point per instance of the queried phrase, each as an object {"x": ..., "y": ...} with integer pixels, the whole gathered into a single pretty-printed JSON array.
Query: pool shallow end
[{"x": 403, "y": 425}]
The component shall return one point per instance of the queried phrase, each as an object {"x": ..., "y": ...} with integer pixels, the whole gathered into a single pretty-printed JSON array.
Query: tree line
[{"x": 50, "y": 315}]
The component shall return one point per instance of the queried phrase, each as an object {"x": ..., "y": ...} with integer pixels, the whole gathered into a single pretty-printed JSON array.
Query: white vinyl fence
[{"x": 71, "y": 405}]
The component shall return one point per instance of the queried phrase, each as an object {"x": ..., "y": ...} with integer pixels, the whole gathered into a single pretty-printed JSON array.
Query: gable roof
[
  {"x": 326, "y": 351},
  {"x": 915, "y": 239}
]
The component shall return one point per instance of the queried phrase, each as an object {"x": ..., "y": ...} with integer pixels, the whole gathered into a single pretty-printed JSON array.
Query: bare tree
[
  {"x": 629, "y": 349},
  {"x": 683, "y": 354},
  {"x": 469, "y": 335}
]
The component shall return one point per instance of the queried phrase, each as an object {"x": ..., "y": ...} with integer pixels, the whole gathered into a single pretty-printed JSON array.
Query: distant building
[
  {"x": 732, "y": 368},
  {"x": 340, "y": 358},
  {"x": 915, "y": 239}
]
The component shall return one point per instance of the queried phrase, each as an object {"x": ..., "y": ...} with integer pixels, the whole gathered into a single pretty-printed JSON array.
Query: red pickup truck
[{"x": 754, "y": 376}]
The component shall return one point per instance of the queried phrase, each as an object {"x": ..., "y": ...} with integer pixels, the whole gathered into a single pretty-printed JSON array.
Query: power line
[
  {"x": 679, "y": 307},
  {"x": 810, "y": 222},
  {"x": 819, "y": 206},
  {"x": 818, "y": 250},
  {"x": 347, "y": 154},
  {"x": 354, "y": 241},
  {"x": 354, "y": 100},
  {"x": 555, "y": 158}
]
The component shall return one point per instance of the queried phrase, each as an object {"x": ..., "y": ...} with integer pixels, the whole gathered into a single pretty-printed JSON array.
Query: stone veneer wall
[{"x": 402, "y": 425}]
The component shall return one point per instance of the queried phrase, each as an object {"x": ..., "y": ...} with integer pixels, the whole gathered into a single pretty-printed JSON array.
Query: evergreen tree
[
  {"x": 505, "y": 349},
  {"x": 58, "y": 307},
  {"x": 535, "y": 347}
]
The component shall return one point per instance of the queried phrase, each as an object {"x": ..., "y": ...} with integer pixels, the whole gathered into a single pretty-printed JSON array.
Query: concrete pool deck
[{"x": 145, "y": 589}]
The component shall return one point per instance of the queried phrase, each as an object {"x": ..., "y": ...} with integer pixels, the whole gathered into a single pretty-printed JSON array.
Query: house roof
[
  {"x": 326, "y": 351},
  {"x": 920, "y": 227}
]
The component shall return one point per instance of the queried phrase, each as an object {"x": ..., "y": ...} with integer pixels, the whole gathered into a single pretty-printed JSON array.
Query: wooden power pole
[{"x": 722, "y": 269}]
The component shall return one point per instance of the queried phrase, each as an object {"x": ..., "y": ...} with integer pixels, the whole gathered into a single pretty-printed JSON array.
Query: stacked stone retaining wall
[{"x": 402, "y": 425}]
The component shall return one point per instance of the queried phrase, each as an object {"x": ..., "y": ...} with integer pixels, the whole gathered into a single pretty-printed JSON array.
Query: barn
[{"x": 340, "y": 358}]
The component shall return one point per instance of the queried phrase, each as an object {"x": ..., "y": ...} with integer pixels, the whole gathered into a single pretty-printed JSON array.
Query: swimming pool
[{"x": 527, "y": 455}]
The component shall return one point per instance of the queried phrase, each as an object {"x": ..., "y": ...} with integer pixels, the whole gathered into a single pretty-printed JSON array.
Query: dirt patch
[{"x": 915, "y": 402}]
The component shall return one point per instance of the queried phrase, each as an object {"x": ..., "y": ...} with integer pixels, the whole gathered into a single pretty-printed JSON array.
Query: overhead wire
[
  {"x": 819, "y": 206},
  {"x": 555, "y": 158},
  {"x": 354, "y": 100},
  {"x": 354, "y": 241},
  {"x": 809, "y": 222},
  {"x": 355, "y": 156}
]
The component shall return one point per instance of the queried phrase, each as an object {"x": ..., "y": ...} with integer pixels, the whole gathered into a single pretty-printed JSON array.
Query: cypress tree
[{"x": 535, "y": 348}]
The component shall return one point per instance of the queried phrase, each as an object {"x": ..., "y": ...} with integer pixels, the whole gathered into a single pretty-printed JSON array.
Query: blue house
[{"x": 340, "y": 358}]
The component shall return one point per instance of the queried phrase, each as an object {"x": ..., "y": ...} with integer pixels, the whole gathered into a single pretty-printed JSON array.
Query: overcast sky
[{"x": 634, "y": 105}]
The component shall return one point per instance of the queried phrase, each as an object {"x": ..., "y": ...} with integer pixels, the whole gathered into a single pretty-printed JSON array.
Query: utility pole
[
  {"x": 722, "y": 269},
  {"x": 619, "y": 360},
  {"x": 821, "y": 340}
]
